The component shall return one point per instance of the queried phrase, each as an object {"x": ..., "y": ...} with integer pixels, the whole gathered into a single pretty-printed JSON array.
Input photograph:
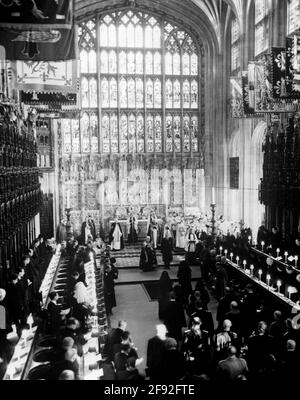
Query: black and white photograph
[{"x": 150, "y": 193}]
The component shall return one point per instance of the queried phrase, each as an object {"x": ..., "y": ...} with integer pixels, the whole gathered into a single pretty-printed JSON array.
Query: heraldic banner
[
  {"x": 39, "y": 45},
  {"x": 48, "y": 76},
  {"x": 33, "y": 14}
]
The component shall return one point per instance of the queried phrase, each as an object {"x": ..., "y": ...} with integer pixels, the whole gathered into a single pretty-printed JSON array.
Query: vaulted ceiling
[{"x": 209, "y": 17}]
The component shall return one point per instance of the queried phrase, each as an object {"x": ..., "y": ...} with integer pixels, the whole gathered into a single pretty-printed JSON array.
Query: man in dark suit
[
  {"x": 156, "y": 353},
  {"x": 114, "y": 337},
  {"x": 174, "y": 317}
]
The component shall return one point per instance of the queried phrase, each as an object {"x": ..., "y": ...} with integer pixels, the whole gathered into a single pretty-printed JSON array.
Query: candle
[
  {"x": 249, "y": 239},
  {"x": 30, "y": 321},
  {"x": 278, "y": 285},
  {"x": 277, "y": 251},
  {"x": 262, "y": 245},
  {"x": 231, "y": 256},
  {"x": 25, "y": 335},
  {"x": 213, "y": 195},
  {"x": 289, "y": 292},
  {"x": 244, "y": 263},
  {"x": 221, "y": 249},
  {"x": 225, "y": 252},
  {"x": 296, "y": 260},
  {"x": 68, "y": 198},
  {"x": 260, "y": 274},
  {"x": 251, "y": 269},
  {"x": 286, "y": 256},
  {"x": 268, "y": 279},
  {"x": 237, "y": 260}
]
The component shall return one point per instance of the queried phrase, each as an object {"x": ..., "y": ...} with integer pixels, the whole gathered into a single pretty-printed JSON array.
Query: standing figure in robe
[
  {"x": 132, "y": 227},
  {"x": 61, "y": 232},
  {"x": 88, "y": 230},
  {"x": 116, "y": 238},
  {"x": 180, "y": 235},
  {"x": 190, "y": 247},
  {"x": 168, "y": 234},
  {"x": 153, "y": 232}
]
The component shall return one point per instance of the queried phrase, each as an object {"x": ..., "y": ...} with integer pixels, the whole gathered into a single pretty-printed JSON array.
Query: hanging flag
[
  {"x": 248, "y": 110},
  {"x": 264, "y": 102},
  {"x": 251, "y": 79},
  {"x": 39, "y": 45},
  {"x": 50, "y": 101},
  {"x": 278, "y": 72},
  {"x": 236, "y": 98},
  {"x": 291, "y": 93},
  {"x": 296, "y": 63},
  {"x": 48, "y": 76},
  {"x": 36, "y": 14}
]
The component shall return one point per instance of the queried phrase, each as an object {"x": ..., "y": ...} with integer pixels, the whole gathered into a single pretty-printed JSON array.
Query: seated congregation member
[
  {"x": 67, "y": 375},
  {"x": 235, "y": 316},
  {"x": 260, "y": 345},
  {"x": 55, "y": 313},
  {"x": 156, "y": 353},
  {"x": 130, "y": 373},
  {"x": 173, "y": 362},
  {"x": 125, "y": 339},
  {"x": 72, "y": 329},
  {"x": 81, "y": 304},
  {"x": 277, "y": 328},
  {"x": 121, "y": 358},
  {"x": 114, "y": 337},
  {"x": 224, "y": 340},
  {"x": 174, "y": 317},
  {"x": 289, "y": 361},
  {"x": 205, "y": 316},
  {"x": 69, "y": 362},
  {"x": 196, "y": 349},
  {"x": 232, "y": 367}
]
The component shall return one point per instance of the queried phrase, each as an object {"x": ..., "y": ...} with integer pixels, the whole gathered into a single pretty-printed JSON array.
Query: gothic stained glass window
[
  {"x": 235, "y": 44},
  {"x": 133, "y": 81},
  {"x": 293, "y": 16},
  {"x": 261, "y": 26},
  {"x": 88, "y": 126}
]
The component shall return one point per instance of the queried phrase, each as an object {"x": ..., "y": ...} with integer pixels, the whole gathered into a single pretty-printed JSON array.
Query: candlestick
[
  {"x": 249, "y": 239},
  {"x": 251, "y": 269},
  {"x": 277, "y": 251},
  {"x": 244, "y": 263},
  {"x": 68, "y": 198},
  {"x": 286, "y": 256},
  {"x": 213, "y": 195},
  {"x": 237, "y": 260},
  {"x": 278, "y": 285},
  {"x": 231, "y": 256},
  {"x": 296, "y": 260},
  {"x": 268, "y": 279},
  {"x": 260, "y": 274},
  {"x": 262, "y": 245},
  {"x": 221, "y": 249},
  {"x": 289, "y": 292},
  {"x": 226, "y": 252}
]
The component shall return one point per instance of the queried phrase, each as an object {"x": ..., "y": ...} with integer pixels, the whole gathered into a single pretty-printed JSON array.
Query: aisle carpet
[{"x": 152, "y": 290}]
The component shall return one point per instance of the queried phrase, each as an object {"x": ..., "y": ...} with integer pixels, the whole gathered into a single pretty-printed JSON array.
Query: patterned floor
[{"x": 129, "y": 257}]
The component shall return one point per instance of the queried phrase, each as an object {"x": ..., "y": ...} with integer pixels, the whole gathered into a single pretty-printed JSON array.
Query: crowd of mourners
[{"x": 249, "y": 338}]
